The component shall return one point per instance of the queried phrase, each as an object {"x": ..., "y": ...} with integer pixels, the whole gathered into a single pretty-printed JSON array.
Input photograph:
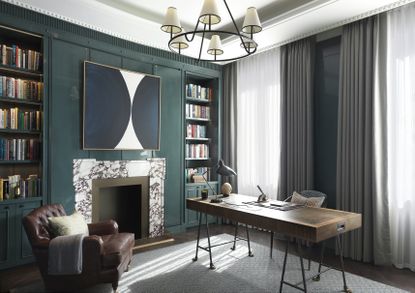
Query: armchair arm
[
  {"x": 103, "y": 228},
  {"x": 92, "y": 250}
]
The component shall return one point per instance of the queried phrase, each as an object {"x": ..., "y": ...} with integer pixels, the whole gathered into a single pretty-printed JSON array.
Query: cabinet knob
[
  {"x": 21, "y": 206},
  {"x": 6, "y": 208}
]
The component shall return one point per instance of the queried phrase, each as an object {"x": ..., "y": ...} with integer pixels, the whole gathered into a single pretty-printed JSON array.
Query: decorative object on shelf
[
  {"x": 209, "y": 16},
  {"x": 223, "y": 170},
  {"x": 226, "y": 189}
]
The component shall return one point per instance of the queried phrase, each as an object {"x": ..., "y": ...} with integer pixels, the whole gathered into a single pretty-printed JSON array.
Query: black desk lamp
[{"x": 223, "y": 170}]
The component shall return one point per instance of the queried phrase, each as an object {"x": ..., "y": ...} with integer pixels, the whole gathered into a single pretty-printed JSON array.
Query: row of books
[
  {"x": 191, "y": 172},
  {"x": 198, "y": 92},
  {"x": 196, "y": 131},
  {"x": 21, "y": 58},
  {"x": 196, "y": 111},
  {"x": 15, "y": 187},
  {"x": 23, "y": 89},
  {"x": 15, "y": 118},
  {"x": 19, "y": 149},
  {"x": 197, "y": 151}
]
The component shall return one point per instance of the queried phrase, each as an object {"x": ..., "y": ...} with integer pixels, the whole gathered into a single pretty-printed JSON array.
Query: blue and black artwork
[{"x": 121, "y": 109}]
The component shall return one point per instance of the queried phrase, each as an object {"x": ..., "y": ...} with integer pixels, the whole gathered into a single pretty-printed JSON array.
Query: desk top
[{"x": 312, "y": 224}]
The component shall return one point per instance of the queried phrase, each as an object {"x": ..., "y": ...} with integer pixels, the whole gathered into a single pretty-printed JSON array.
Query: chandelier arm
[
  {"x": 201, "y": 44},
  {"x": 236, "y": 27},
  {"x": 194, "y": 32}
]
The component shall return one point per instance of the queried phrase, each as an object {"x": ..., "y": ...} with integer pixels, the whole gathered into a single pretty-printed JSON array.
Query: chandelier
[{"x": 209, "y": 16}]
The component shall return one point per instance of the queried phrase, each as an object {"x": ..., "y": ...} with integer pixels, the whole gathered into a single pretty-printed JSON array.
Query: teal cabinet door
[
  {"x": 171, "y": 143},
  {"x": 6, "y": 235},
  {"x": 24, "y": 250},
  {"x": 192, "y": 217}
]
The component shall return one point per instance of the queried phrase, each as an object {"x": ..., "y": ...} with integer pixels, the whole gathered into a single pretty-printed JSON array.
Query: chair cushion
[
  {"x": 314, "y": 202},
  {"x": 115, "y": 247},
  {"x": 68, "y": 225}
]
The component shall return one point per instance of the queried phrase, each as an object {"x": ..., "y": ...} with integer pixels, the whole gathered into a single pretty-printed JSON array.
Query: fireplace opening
[
  {"x": 124, "y": 200},
  {"x": 122, "y": 204}
]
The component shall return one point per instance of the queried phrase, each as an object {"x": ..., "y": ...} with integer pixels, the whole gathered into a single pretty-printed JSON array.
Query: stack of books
[
  {"x": 19, "y": 149},
  {"x": 191, "y": 172},
  {"x": 15, "y": 56},
  {"x": 14, "y": 187},
  {"x": 196, "y": 111},
  {"x": 196, "y": 131},
  {"x": 196, "y": 91},
  {"x": 197, "y": 151},
  {"x": 16, "y": 88},
  {"x": 15, "y": 118}
]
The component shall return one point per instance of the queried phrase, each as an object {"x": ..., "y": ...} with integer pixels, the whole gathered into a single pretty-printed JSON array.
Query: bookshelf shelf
[
  {"x": 17, "y": 131},
  {"x": 8, "y": 162},
  {"x": 19, "y": 101},
  {"x": 5, "y": 69},
  {"x": 198, "y": 119},
  {"x": 21, "y": 200},
  {"x": 198, "y": 159},
  {"x": 195, "y": 100},
  {"x": 198, "y": 139}
]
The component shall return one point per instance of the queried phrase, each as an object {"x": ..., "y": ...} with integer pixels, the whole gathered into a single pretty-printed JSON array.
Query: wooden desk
[{"x": 311, "y": 224}]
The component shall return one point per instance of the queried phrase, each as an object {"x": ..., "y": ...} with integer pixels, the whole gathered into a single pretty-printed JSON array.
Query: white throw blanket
[{"x": 65, "y": 255}]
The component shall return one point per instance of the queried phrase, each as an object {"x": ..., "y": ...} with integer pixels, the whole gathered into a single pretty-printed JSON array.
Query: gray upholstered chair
[{"x": 305, "y": 193}]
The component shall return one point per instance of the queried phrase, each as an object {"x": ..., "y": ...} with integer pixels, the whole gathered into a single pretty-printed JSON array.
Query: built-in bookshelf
[
  {"x": 201, "y": 137},
  {"x": 21, "y": 115}
]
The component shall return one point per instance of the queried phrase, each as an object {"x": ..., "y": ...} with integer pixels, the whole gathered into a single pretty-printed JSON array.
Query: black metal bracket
[
  {"x": 316, "y": 277},
  {"x": 210, "y": 246}
]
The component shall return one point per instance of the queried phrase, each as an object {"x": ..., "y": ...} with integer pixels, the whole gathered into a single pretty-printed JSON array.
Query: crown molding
[{"x": 83, "y": 24}]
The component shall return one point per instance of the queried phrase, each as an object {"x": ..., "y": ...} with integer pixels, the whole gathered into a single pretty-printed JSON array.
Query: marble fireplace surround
[{"x": 85, "y": 170}]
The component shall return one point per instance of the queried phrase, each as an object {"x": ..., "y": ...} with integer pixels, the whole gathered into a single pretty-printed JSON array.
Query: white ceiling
[{"x": 139, "y": 21}]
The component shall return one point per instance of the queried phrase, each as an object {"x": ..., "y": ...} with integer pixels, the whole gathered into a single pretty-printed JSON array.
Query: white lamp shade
[
  {"x": 215, "y": 46},
  {"x": 209, "y": 13},
  {"x": 180, "y": 42},
  {"x": 250, "y": 45},
  {"x": 171, "y": 23},
  {"x": 251, "y": 24}
]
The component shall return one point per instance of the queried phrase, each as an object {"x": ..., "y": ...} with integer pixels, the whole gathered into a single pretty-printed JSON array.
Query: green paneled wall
[{"x": 66, "y": 46}]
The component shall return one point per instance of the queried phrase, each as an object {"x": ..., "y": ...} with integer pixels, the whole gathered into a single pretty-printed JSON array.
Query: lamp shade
[
  {"x": 180, "y": 42},
  {"x": 215, "y": 46},
  {"x": 171, "y": 23},
  {"x": 225, "y": 170},
  {"x": 209, "y": 13},
  {"x": 250, "y": 45},
  {"x": 251, "y": 24}
]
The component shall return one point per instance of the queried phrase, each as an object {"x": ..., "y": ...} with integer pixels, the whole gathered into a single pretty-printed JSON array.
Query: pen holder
[{"x": 204, "y": 193}]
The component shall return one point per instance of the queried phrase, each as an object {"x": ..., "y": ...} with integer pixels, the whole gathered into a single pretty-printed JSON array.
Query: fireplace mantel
[{"x": 85, "y": 170}]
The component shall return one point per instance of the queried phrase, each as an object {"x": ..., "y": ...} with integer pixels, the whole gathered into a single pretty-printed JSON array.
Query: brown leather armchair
[{"x": 106, "y": 253}]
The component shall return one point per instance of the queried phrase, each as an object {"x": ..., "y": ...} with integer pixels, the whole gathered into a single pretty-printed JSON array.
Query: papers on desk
[{"x": 278, "y": 205}]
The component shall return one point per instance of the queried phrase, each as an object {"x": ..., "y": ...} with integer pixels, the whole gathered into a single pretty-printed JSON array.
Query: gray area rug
[{"x": 171, "y": 269}]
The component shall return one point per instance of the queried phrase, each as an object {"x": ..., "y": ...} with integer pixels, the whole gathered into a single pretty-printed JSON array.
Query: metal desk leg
[
  {"x": 323, "y": 246},
  {"x": 300, "y": 252},
  {"x": 339, "y": 246},
  {"x": 198, "y": 236},
  {"x": 272, "y": 244},
  {"x": 249, "y": 242},
  {"x": 212, "y": 267},
  {"x": 284, "y": 266},
  {"x": 234, "y": 238}
]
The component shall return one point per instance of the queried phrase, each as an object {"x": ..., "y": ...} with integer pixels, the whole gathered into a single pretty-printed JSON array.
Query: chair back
[
  {"x": 36, "y": 223},
  {"x": 315, "y": 193}
]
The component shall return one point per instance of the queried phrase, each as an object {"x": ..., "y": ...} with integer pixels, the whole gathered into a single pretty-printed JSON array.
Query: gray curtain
[
  {"x": 229, "y": 107},
  {"x": 356, "y": 178},
  {"x": 297, "y": 70}
]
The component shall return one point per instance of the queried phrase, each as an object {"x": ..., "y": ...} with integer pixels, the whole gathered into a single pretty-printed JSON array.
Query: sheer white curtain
[
  {"x": 258, "y": 123},
  {"x": 401, "y": 134}
]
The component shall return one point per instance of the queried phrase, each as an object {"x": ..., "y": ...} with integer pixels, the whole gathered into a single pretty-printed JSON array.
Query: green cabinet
[
  {"x": 195, "y": 190},
  {"x": 6, "y": 219},
  {"x": 15, "y": 248}
]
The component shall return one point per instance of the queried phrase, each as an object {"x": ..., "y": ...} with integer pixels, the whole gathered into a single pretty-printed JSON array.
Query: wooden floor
[{"x": 404, "y": 279}]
